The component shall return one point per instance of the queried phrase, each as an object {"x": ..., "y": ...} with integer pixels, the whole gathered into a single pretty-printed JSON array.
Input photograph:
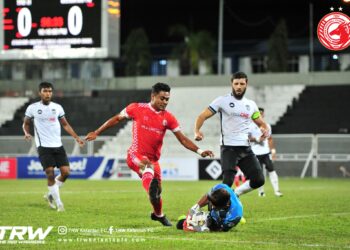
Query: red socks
[{"x": 147, "y": 177}]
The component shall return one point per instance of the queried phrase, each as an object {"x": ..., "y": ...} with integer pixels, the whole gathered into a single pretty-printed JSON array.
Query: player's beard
[{"x": 238, "y": 96}]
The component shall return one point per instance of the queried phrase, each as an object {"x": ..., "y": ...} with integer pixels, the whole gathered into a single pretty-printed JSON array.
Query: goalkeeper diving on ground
[{"x": 225, "y": 211}]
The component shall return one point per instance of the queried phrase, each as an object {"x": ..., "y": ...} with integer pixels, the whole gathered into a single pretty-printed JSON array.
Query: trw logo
[{"x": 23, "y": 233}]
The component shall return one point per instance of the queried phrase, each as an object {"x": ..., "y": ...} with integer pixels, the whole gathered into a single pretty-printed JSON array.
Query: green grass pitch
[{"x": 313, "y": 214}]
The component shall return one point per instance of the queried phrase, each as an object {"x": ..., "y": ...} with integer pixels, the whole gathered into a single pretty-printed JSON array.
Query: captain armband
[{"x": 255, "y": 115}]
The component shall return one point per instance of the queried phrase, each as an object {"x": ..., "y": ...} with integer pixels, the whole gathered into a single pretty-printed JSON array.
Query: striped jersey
[
  {"x": 262, "y": 147},
  {"x": 47, "y": 127},
  {"x": 235, "y": 118}
]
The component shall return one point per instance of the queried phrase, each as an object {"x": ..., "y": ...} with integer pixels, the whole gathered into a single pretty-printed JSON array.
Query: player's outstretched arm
[
  {"x": 207, "y": 113},
  {"x": 187, "y": 143},
  {"x": 109, "y": 123},
  {"x": 71, "y": 131}
]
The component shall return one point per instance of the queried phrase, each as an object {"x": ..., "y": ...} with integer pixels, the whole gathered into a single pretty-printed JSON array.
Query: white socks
[
  {"x": 58, "y": 182},
  {"x": 274, "y": 180},
  {"x": 54, "y": 191},
  {"x": 261, "y": 189},
  {"x": 243, "y": 188}
]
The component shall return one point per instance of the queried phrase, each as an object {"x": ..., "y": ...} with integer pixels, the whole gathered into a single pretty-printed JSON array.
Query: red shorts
[{"x": 133, "y": 159}]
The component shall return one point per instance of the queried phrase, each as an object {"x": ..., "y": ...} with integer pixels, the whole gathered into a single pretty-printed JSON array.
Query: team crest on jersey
[
  {"x": 247, "y": 107},
  {"x": 40, "y": 111},
  {"x": 165, "y": 122},
  {"x": 145, "y": 118},
  {"x": 53, "y": 111},
  {"x": 232, "y": 104}
]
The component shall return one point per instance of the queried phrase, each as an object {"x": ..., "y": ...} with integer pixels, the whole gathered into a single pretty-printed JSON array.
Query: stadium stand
[
  {"x": 8, "y": 107},
  {"x": 275, "y": 99},
  {"x": 84, "y": 113},
  {"x": 319, "y": 109}
]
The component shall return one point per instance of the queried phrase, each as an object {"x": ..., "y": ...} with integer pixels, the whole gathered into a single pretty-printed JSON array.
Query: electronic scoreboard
[{"x": 49, "y": 29}]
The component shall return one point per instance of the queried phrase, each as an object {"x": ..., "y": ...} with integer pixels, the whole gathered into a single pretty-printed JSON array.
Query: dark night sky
[{"x": 243, "y": 19}]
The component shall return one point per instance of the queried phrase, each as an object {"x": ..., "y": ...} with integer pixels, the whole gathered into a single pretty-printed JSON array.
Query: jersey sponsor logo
[
  {"x": 245, "y": 115},
  {"x": 232, "y": 104},
  {"x": 333, "y": 31},
  {"x": 156, "y": 130},
  {"x": 52, "y": 119},
  {"x": 242, "y": 114}
]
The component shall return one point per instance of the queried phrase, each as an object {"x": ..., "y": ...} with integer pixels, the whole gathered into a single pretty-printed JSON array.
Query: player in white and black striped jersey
[
  {"x": 265, "y": 150},
  {"x": 236, "y": 114},
  {"x": 47, "y": 118}
]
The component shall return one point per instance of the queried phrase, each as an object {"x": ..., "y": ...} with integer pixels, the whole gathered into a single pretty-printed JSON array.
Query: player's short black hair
[
  {"x": 239, "y": 75},
  {"x": 45, "y": 85},
  {"x": 159, "y": 86},
  {"x": 261, "y": 109},
  {"x": 219, "y": 198}
]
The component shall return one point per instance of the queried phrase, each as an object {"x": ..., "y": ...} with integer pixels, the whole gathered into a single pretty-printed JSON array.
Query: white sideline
[{"x": 299, "y": 217}]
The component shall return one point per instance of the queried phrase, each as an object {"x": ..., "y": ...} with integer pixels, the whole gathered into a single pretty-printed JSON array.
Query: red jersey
[{"x": 148, "y": 130}]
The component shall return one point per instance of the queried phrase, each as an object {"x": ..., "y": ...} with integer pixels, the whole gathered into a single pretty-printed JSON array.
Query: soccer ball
[{"x": 198, "y": 222}]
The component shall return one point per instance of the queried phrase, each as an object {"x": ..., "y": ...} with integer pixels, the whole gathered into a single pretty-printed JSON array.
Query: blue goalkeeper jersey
[{"x": 230, "y": 217}]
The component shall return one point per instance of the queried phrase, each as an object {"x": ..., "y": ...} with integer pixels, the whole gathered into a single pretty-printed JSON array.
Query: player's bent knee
[
  {"x": 257, "y": 182},
  {"x": 270, "y": 168},
  {"x": 65, "y": 173},
  {"x": 228, "y": 178}
]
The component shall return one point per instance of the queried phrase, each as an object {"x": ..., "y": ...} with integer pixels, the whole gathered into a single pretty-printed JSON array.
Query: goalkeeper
[{"x": 225, "y": 211}]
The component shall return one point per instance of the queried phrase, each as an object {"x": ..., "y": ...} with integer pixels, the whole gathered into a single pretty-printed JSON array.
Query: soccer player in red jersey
[{"x": 150, "y": 122}]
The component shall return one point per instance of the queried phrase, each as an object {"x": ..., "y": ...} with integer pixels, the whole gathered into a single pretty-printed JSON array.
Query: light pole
[
  {"x": 311, "y": 37},
  {"x": 221, "y": 16}
]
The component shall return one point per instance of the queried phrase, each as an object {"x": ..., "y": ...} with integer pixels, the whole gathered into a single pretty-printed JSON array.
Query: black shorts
[
  {"x": 53, "y": 157},
  {"x": 241, "y": 156},
  {"x": 266, "y": 161}
]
